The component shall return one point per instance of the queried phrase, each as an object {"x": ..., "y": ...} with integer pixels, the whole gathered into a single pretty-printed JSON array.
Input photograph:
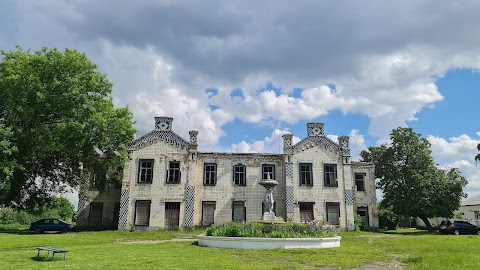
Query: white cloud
[
  {"x": 272, "y": 144},
  {"x": 357, "y": 143},
  {"x": 461, "y": 147},
  {"x": 383, "y": 66},
  {"x": 458, "y": 152},
  {"x": 162, "y": 55}
]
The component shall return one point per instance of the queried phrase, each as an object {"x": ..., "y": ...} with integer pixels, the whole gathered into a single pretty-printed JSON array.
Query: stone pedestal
[{"x": 269, "y": 216}]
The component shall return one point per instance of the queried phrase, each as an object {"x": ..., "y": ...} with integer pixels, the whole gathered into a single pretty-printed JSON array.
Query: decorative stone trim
[
  {"x": 155, "y": 136},
  {"x": 189, "y": 205},
  {"x": 290, "y": 198},
  {"x": 314, "y": 141},
  {"x": 348, "y": 197},
  {"x": 315, "y": 129},
  {"x": 254, "y": 156},
  {"x": 267, "y": 243},
  {"x": 362, "y": 165},
  {"x": 123, "y": 216},
  {"x": 82, "y": 205}
]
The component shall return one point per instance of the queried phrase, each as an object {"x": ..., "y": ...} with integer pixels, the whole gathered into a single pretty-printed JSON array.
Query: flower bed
[{"x": 257, "y": 235}]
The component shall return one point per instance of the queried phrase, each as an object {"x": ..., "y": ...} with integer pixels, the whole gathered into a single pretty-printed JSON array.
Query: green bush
[
  {"x": 269, "y": 230},
  {"x": 12, "y": 216}
]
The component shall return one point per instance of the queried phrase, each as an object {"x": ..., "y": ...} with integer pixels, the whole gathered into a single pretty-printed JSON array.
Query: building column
[
  {"x": 190, "y": 185},
  {"x": 123, "y": 222},
  {"x": 348, "y": 186},
  {"x": 289, "y": 184}
]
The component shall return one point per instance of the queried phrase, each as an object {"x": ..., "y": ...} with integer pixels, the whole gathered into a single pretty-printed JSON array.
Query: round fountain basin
[
  {"x": 268, "y": 183},
  {"x": 267, "y": 243}
]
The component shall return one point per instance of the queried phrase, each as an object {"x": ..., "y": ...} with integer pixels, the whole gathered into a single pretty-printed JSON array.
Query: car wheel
[
  {"x": 38, "y": 231},
  {"x": 478, "y": 232},
  {"x": 65, "y": 230},
  {"x": 457, "y": 232}
]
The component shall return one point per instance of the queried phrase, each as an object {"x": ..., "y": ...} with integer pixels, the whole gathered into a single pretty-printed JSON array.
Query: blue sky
[{"x": 243, "y": 73}]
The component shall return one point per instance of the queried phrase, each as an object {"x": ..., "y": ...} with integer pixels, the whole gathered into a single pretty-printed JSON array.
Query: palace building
[{"x": 167, "y": 183}]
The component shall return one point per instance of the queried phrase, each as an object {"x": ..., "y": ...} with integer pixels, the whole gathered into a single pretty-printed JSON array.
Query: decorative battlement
[
  {"x": 344, "y": 142},
  {"x": 193, "y": 136},
  {"x": 163, "y": 123},
  {"x": 287, "y": 140},
  {"x": 315, "y": 129}
]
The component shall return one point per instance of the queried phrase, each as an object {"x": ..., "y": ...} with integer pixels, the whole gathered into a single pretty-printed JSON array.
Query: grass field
[{"x": 410, "y": 249}]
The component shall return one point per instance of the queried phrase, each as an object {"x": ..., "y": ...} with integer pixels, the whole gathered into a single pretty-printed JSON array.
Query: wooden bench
[{"x": 53, "y": 250}]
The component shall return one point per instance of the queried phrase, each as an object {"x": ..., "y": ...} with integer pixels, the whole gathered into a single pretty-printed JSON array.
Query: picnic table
[{"x": 53, "y": 250}]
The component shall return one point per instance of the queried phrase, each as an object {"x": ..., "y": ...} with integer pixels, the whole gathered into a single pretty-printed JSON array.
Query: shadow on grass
[
  {"x": 27, "y": 232},
  {"x": 410, "y": 232},
  {"x": 15, "y": 231},
  {"x": 45, "y": 259}
]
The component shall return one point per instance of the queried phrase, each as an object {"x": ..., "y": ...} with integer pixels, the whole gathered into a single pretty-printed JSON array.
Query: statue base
[{"x": 267, "y": 216}]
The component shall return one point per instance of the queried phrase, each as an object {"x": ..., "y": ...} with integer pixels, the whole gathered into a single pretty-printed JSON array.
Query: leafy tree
[
  {"x": 55, "y": 207},
  {"x": 63, "y": 124},
  {"x": 412, "y": 184},
  {"x": 477, "y": 157},
  {"x": 6, "y": 163},
  {"x": 387, "y": 218}
]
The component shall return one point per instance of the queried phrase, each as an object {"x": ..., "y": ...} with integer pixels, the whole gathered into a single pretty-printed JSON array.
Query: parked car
[
  {"x": 458, "y": 227},
  {"x": 51, "y": 224}
]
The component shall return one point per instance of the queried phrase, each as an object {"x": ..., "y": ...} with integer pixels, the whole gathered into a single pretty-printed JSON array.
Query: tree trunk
[{"x": 427, "y": 222}]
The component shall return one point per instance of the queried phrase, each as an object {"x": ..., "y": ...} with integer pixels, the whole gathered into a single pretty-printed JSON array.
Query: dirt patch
[
  {"x": 393, "y": 265},
  {"x": 157, "y": 241}
]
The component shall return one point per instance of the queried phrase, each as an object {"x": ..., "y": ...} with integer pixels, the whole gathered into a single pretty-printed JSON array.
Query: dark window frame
[
  {"x": 338, "y": 211},
  {"x": 265, "y": 173},
  {"x": 365, "y": 210},
  {"x": 99, "y": 180},
  {"x": 305, "y": 172},
  {"x": 244, "y": 210},
  {"x": 240, "y": 177},
  {"x": 362, "y": 186},
  {"x": 328, "y": 175},
  {"x": 209, "y": 176},
  {"x": 149, "y": 212},
  {"x": 214, "y": 203},
  {"x": 306, "y": 207},
  {"x": 92, "y": 204},
  {"x": 145, "y": 171},
  {"x": 174, "y": 174}
]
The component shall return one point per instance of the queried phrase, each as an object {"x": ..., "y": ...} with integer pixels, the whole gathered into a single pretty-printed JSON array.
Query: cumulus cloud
[
  {"x": 357, "y": 143},
  {"x": 272, "y": 144},
  {"x": 321, "y": 56},
  {"x": 458, "y": 152},
  {"x": 382, "y": 64},
  {"x": 462, "y": 148}
]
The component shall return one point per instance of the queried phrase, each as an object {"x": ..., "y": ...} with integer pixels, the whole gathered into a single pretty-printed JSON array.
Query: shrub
[
  {"x": 269, "y": 230},
  {"x": 12, "y": 216}
]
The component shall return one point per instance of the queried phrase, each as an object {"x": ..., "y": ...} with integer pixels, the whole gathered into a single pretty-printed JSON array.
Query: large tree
[
  {"x": 59, "y": 123},
  {"x": 477, "y": 157},
  {"x": 412, "y": 184},
  {"x": 7, "y": 164}
]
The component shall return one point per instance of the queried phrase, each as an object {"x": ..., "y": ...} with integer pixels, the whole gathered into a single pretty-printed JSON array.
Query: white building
[{"x": 168, "y": 183}]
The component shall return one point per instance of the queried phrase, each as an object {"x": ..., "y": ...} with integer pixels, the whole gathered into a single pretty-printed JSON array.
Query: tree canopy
[
  {"x": 477, "y": 157},
  {"x": 59, "y": 124},
  {"x": 412, "y": 184}
]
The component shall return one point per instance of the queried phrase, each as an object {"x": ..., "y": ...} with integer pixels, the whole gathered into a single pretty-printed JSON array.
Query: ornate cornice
[
  {"x": 155, "y": 136},
  {"x": 314, "y": 141},
  {"x": 262, "y": 156},
  {"x": 362, "y": 165}
]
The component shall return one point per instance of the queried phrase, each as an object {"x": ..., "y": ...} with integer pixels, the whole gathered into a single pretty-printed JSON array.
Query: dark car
[
  {"x": 458, "y": 227},
  {"x": 50, "y": 225}
]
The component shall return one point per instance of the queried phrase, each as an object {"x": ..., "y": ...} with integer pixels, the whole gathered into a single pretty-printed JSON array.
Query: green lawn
[{"x": 414, "y": 249}]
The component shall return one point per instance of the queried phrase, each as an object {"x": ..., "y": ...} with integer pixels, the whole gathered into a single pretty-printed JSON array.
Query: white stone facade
[{"x": 168, "y": 183}]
